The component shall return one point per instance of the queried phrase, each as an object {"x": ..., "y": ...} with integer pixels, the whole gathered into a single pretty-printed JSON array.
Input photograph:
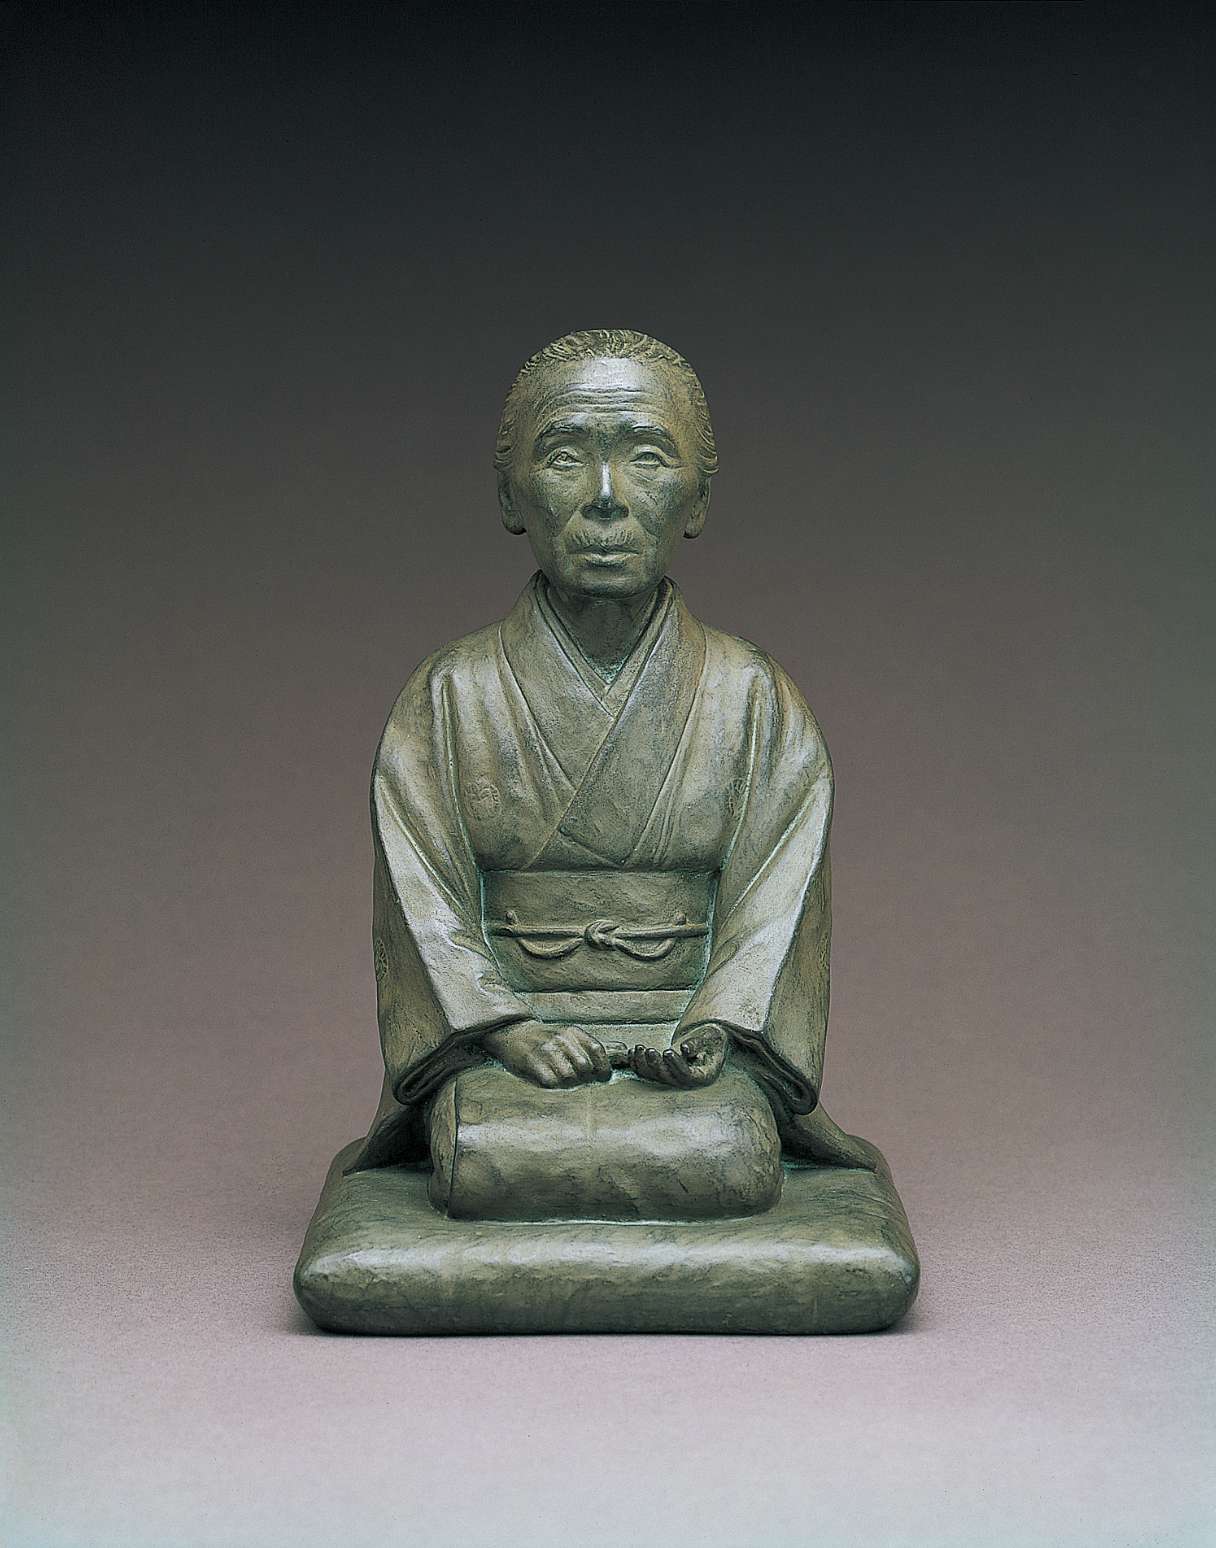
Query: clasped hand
[{"x": 569, "y": 1056}]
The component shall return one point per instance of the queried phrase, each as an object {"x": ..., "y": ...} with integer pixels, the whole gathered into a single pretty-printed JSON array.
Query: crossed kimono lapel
[{"x": 614, "y": 742}]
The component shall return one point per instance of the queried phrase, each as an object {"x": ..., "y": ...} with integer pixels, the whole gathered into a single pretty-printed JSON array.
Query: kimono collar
[
  {"x": 611, "y": 690},
  {"x": 615, "y": 745}
]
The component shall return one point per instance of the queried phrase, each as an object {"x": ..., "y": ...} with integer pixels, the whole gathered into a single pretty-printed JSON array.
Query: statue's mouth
[{"x": 606, "y": 547}]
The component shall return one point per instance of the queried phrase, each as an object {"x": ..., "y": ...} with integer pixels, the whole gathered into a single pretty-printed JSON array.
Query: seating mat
[{"x": 834, "y": 1255}]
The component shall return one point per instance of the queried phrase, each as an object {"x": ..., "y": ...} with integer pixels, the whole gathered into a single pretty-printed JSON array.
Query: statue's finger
[
  {"x": 649, "y": 1065},
  {"x": 676, "y": 1068},
  {"x": 712, "y": 1066},
  {"x": 561, "y": 1067},
  {"x": 601, "y": 1061},
  {"x": 591, "y": 1045},
  {"x": 644, "y": 1062},
  {"x": 658, "y": 1067},
  {"x": 707, "y": 1045},
  {"x": 575, "y": 1052}
]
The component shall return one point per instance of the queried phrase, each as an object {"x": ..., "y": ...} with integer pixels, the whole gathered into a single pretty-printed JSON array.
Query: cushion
[
  {"x": 833, "y": 1255},
  {"x": 626, "y": 1149}
]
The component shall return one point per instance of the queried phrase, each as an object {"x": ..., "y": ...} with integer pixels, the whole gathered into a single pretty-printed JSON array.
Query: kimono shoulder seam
[
  {"x": 449, "y": 757},
  {"x": 382, "y": 791},
  {"x": 753, "y": 752},
  {"x": 812, "y": 872},
  {"x": 434, "y": 672}
]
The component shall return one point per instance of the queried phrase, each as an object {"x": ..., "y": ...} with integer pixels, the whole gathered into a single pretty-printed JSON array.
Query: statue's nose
[{"x": 606, "y": 501}]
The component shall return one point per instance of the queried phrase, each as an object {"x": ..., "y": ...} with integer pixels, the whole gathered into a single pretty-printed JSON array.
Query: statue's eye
[
  {"x": 563, "y": 459},
  {"x": 649, "y": 459}
]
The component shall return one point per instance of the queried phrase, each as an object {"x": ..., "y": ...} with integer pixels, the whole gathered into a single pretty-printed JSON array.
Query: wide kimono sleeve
[
  {"x": 438, "y": 987},
  {"x": 767, "y": 978}
]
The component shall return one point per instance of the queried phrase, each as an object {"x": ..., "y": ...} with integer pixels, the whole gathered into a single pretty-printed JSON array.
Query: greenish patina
[{"x": 602, "y": 918}]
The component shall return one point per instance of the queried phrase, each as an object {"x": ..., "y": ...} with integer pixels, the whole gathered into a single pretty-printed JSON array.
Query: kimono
[{"x": 649, "y": 851}]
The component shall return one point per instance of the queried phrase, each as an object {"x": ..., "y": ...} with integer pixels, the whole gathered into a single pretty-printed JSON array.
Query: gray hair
[{"x": 610, "y": 344}]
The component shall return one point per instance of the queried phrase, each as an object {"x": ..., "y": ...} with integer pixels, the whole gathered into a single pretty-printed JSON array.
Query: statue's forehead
[{"x": 604, "y": 386}]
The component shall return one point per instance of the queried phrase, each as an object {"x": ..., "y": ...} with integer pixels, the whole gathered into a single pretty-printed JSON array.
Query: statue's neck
[{"x": 605, "y": 630}]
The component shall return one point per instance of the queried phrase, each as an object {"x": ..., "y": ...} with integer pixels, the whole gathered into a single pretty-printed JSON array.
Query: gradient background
[{"x": 948, "y": 277}]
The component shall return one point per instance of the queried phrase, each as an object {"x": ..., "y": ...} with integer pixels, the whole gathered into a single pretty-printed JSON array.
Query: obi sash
[{"x": 601, "y": 945}]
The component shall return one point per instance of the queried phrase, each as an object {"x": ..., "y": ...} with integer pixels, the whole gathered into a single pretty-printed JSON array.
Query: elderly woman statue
[{"x": 602, "y": 913}]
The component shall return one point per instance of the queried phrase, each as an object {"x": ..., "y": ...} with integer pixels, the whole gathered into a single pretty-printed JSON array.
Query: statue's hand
[
  {"x": 548, "y": 1055},
  {"x": 694, "y": 1059}
]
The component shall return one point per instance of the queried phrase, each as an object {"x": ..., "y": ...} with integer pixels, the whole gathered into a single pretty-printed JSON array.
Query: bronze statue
[{"x": 602, "y": 917}]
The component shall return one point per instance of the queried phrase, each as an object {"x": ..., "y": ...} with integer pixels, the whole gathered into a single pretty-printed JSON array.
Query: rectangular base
[{"x": 834, "y": 1255}]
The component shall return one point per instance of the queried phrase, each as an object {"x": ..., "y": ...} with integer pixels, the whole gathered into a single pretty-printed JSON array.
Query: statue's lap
[{"x": 505, "y": 1149}]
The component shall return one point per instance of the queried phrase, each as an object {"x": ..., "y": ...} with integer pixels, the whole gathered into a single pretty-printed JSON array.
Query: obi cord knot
[{"x": 646, "y": 942}]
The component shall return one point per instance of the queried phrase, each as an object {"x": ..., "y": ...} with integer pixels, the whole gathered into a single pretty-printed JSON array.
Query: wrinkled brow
[
  {"x": 567, "y": 427},
  {"x": 560, "y": 427},
  {"x": 653, "y": 433}
]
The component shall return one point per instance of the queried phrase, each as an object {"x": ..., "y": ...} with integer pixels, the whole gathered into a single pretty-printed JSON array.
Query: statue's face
[{"x": 604, "y": 477}]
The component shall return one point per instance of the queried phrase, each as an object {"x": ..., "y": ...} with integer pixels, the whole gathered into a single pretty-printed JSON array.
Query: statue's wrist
[
  {"x": 493, "y": 1040},
  {"x": 699, "y": 1027}
]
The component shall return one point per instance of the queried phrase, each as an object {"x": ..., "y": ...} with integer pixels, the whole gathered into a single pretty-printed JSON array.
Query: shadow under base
[{"x": 833, "y": 1255}]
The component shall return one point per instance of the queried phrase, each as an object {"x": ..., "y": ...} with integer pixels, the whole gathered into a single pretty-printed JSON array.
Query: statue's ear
[
  {"x": 507, "y": 505},
  {"x": 695, "y": 524}
]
